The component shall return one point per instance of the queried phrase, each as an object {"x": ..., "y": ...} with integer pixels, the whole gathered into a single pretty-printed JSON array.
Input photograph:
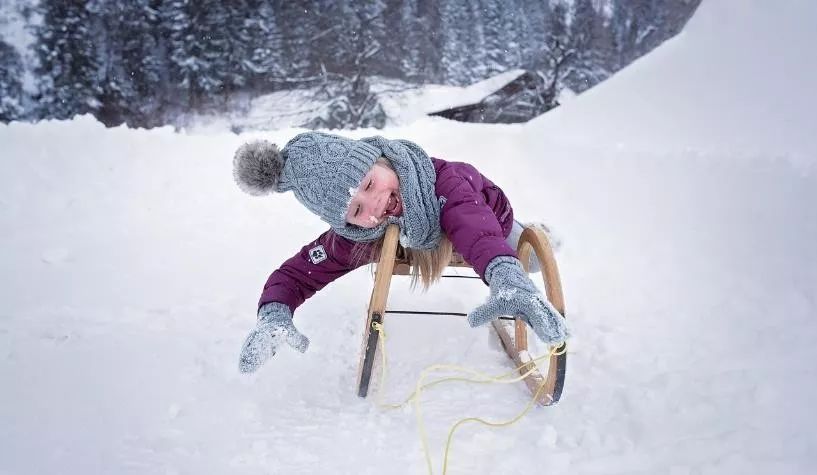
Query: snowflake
[{"x": 506, "y": 294}]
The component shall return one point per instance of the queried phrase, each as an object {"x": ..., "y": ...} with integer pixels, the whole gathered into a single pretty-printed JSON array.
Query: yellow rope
[{"x": 483, "y": 378}]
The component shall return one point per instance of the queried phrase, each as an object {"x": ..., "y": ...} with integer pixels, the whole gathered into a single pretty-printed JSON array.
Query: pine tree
[
  {"x": 146, "y": 61},
  {"x": 415, "y": 45},
  {"x": 490, "y": 37},
  {"x": 513, "y": 35},
  {"x": 619, "y": 25},
  {"x": 639, "y": 26},
  {"x": 131, "y": 63},
  {"x": 256, "y": 46},
  {"x": 296, "y": 24},
  {"x": 649, "y": 18},
  {"x": 558, "y": 57},
  {"x": 531, "y": 33},
  {"x": 586, "y": 30},
  {"x": 351, "y": 39},
  {"x": 400, "y": 44},
  {"x": 11, "y": 88},
  {"x": 198, "y": 50},
  {"x": 68, "y": 60},
  {"x": 456, "y": 59}
]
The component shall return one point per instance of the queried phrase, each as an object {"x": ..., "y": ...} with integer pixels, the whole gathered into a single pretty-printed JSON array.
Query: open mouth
[{"x": 393, "y": 207}]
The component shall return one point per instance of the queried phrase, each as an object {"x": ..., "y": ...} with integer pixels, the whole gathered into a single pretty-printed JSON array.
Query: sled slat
[
  {"x": 533, "y": 381},
  {"x": 377, "y": 308},
  {"x": 392, "y": 262}
]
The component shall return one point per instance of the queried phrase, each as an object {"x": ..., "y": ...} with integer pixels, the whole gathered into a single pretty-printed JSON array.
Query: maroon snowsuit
[{"x": 476, "y": 216}]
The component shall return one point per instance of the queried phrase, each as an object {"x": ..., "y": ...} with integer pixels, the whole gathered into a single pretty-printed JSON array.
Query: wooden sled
[{"x": 513, "y": 333}]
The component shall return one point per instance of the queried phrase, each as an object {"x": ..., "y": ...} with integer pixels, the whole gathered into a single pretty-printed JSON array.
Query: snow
[
  {"x": 403, "y": 104},
  {"x": 131, "y": 267},
  {"x": 405, "y": 107},
  {"x": 14, "y": 30},
  {"x": 739, "y": 78}
]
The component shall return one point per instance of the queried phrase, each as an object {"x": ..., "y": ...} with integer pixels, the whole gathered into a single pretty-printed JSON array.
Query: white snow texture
[{"x": 685, "y": 194}]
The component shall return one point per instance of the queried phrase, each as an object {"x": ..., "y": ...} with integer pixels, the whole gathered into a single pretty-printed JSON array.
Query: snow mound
[
  {"x": 740, "y": 77},
  {"x": 132, "y": 264}
]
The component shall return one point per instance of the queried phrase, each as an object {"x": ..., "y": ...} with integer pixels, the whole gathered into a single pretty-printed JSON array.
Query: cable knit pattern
[
  {"x": 274, "y": 326},
  {"x": 513, "y": 293},
  {"x": 321, "y": 168},
  {"x": 420, "y": 222}
]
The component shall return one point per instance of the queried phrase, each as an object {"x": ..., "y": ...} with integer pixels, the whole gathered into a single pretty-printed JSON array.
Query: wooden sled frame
[{"x": 514, "y": 342}]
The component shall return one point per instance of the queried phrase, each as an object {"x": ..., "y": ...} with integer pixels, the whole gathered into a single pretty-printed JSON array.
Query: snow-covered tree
[
  {"x": 11, "y": 88},
  {"x": 146, "y": 61},
  {"x": 558, "y": 57},
  {"x": 531, "y": 34},
  {"x": 492, "y": 38},
  {"x": 131, "y": 64},
  {"x": 68, "y": 70},
  {"x": 587, "y": 38},
  {"x": 198, "y": 51},
  {"x": 411, "y": 39},
  {"x": 256, "y": 46},
  {"x": 454, "y": 41},
  {"x": 355, "y": 48},
  {"x": 641, "y": 25}
]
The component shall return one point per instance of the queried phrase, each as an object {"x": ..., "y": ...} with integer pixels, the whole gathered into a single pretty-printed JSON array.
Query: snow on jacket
[{"x": 476, "y": 216}]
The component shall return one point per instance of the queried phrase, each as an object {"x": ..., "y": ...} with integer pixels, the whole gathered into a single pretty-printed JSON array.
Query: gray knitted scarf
[{"x": 420, "y": 222}]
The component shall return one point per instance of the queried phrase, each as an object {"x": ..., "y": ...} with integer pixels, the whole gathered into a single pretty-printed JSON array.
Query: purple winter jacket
[{"x": 476, "y": 216}]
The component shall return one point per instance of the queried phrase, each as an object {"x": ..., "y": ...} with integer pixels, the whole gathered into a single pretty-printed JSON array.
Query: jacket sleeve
[
  {"x": 316, "y": 265},
  {"x": 469, "y": 222}
]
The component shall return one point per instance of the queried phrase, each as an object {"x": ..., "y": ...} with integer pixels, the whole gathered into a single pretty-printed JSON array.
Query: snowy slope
[
  {"x": 740, "y": 77},
  {"x": 131, "y": 265}
]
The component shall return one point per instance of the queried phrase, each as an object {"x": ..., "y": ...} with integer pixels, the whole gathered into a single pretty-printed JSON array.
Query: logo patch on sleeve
[{"x": 317, "y": 254}]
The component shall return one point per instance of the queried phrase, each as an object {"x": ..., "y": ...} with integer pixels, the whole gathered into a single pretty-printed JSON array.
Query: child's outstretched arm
[
  {"x": 299, "y": 277},
  {"x": 316, "y": 265},
  {"x": 475, "y": 231}
]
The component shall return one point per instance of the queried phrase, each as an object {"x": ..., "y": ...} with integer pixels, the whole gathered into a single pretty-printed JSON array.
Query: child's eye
[
  {"x": 357, "y": 211},
  {"x": 369, "y": 185}
]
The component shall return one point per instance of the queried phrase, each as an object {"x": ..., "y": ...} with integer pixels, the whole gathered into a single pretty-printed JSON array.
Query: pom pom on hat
[{"x": 257, "y": 167}]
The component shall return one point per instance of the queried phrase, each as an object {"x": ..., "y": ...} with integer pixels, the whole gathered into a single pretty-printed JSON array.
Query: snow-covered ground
[{"x": 131, "y": 266}]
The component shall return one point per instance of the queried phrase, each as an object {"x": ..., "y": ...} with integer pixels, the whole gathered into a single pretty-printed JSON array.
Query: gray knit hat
[{"x": 319, "y": 168}]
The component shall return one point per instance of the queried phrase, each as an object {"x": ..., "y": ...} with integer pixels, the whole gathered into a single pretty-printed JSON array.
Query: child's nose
[{"x": 373, "y": 208}]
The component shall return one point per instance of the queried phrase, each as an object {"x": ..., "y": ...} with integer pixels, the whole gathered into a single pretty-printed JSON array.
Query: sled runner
[{"x": 513, "y": 333}]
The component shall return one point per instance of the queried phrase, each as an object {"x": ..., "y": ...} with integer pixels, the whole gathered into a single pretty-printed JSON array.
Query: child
[{"x": 359, "y": 187}]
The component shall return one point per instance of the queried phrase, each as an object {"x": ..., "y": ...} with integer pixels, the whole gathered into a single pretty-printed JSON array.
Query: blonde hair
[{"x": 427, "y": 265}]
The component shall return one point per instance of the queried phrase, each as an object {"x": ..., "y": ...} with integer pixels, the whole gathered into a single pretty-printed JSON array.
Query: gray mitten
[
  {"x": 513, "y": 293},
  {"x": 274, "y": 326}
]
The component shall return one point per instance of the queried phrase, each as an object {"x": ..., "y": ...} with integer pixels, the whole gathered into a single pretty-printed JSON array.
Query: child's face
[{"x": 377, "y": 197}]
